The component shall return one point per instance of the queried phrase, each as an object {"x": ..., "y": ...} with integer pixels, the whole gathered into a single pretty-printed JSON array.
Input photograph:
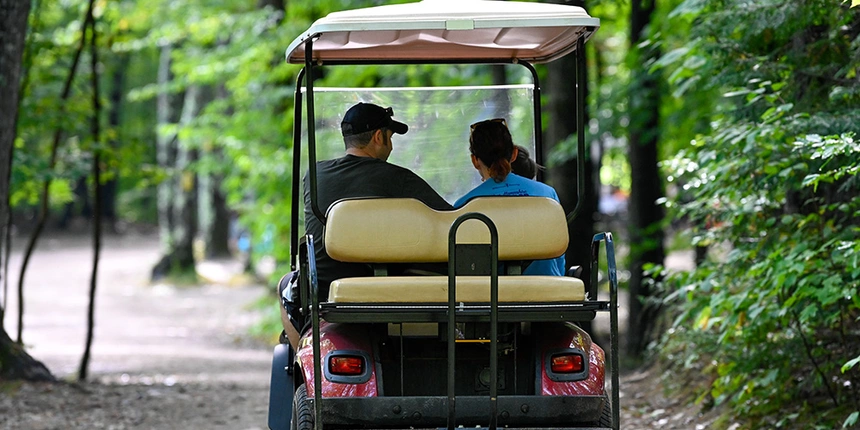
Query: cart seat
[
  {"x": 470, "y": 289},
  {"x": 407, "y": 231}
]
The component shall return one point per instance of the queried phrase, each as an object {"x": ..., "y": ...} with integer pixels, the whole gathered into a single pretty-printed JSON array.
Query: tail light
[
  {"x": 346, "y": 365},
  {"x": 567, "y": 363}
]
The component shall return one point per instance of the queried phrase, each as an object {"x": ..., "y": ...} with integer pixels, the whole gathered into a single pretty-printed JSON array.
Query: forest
[{"x": 728, "y": 126}]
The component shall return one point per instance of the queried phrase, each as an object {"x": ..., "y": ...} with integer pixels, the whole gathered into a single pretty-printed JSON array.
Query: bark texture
[
  {"x": 15, "y": 363},
  {"x": 177, "y": 200}
]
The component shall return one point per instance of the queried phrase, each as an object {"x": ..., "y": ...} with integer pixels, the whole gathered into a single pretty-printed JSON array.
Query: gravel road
[{"x": 163, "y": 357}]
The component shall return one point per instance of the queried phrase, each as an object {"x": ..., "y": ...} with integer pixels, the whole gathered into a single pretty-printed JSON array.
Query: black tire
[
  {"x": 606, "y": 414},
  {"x": 303, "y": 414}
]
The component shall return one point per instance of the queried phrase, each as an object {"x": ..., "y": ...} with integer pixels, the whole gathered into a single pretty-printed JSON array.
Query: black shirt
[{"x": 352, "y": 176}]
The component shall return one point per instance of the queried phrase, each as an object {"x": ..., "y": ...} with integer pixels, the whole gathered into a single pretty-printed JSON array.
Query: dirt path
[
  {"x": 175, "y": 358},
  {"x": 163, "y": 357}
]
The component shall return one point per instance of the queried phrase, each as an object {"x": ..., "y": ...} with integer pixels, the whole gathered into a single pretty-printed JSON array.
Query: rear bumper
[{"x": 415, "y": 412}]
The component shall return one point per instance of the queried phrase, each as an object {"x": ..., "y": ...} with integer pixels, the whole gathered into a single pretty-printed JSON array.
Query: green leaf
[
  {"x": 691, "y": 7},
  {"x": 852, "y": 419},
  {"x": 850, "y": 364},
  {"x": 808, "y": 313},
  {"x": 813, "y": 180},
  {"x": 672, "y": 56},
  {"x": 736, "y": 93}
]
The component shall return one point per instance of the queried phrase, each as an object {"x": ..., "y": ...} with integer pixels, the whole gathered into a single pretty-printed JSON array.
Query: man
[{"x": 362, "y": 172}]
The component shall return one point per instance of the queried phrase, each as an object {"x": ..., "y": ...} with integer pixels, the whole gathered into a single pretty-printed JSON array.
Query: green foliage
[
  {"x": 773, "y": 188},
  {"x": 55, "y": 36},
  {"x": 608, "y": 100},
  {"x": 234, "y": 52}
]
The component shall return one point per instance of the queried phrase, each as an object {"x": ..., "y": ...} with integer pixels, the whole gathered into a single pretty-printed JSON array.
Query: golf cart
[{"x": 481, "y": 345}]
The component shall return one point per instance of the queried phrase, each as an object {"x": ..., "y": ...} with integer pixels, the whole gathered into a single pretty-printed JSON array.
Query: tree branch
[{"x": 809, "y": 355}]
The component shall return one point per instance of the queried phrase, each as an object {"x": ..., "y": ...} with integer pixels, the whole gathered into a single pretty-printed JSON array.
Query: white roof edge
[{"x": 457, "y": 19}]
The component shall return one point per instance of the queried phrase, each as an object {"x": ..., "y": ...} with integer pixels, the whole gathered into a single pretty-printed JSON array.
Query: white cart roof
[{"x": 447, "y": 31}]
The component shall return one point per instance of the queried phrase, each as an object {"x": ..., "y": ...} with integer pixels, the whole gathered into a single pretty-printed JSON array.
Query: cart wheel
[
  {"x": 606, "y": 414},
  {"x": 303, "y": 414}
]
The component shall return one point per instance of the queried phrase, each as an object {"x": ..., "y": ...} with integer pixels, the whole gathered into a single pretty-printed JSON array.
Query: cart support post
[
  {"x": 581, "y": 82},
  {"x": 312, "y": 138},
  {"x": 312, "y": 264},
  {"x": 536, "y": 108},
  {"x": 297, "y": 170}
]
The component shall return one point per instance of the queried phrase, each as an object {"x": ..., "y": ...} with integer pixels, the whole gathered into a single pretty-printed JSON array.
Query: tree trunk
[
  {"x": 214, "y": 215},
  {"x": 15, "y": 363},
  {"x": 95, "y": 125},
  {"x": 646, "y": 231},
  {"x": 185, "y": 210},
  {"x": 166, "y": 113},
  {"x": 177, "y": 212},
  {"x": 109, "y": 187}
]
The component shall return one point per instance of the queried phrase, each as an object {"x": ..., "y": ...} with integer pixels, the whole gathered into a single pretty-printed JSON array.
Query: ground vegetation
[{"x": 771, "y": 187}]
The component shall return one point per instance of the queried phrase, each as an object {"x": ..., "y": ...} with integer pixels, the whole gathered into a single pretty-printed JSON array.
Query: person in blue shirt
[{"x": 493, "y": 150}]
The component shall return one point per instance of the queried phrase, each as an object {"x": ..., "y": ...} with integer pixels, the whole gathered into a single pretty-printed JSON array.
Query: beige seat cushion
[
  {"x": 406, "y": 230},
  {"x": 470, "y": 289}
]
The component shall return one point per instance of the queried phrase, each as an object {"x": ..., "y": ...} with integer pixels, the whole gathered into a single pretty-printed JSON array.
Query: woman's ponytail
[{"x": 500, "y": 169}]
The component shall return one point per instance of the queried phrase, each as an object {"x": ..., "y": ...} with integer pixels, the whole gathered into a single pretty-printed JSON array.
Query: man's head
[{"x": 368, "y": 128}]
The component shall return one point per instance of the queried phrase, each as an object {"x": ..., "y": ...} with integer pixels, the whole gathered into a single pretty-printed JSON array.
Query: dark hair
[
  {"x": 358, "y": 140},
  {"x": 523, "y": 165},
  {"x": 491, "y": 142}
]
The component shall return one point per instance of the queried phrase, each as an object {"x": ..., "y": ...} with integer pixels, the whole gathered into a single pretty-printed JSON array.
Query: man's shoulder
[
  {"x": 350, "y": 163},
  {"x": 369, "y": 162},
  {"x": 386, "y": 168},
  {"x": 340, "y": 161}
]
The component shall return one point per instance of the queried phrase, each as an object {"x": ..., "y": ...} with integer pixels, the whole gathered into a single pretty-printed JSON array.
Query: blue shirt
[{"x": 515, "y": 185}]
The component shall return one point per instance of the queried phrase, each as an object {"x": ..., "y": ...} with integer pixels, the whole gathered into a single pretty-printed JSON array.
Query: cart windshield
[{"x": 437, "y": 144}]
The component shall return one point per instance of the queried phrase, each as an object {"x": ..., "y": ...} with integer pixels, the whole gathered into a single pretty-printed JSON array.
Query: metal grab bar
[
  {"x": 613, "y": 312},
  {"x": 494, "y": 315},
  {"x": 315, "y": 322}
]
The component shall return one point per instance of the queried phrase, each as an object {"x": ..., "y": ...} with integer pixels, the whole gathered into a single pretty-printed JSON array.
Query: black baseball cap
[{"x": 365, "y": 117}]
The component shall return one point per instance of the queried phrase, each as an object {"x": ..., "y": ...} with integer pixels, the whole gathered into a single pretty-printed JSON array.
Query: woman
[{"x": 493, "y": 150}]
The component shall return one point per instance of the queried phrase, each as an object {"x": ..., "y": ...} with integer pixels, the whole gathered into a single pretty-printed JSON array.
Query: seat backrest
[{"x": 382, "y": 230}]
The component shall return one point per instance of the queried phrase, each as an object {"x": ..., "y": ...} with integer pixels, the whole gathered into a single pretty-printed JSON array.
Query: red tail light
[
  {"x": 346, "y": 365},
  {"x": 566, "y": 363}
]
